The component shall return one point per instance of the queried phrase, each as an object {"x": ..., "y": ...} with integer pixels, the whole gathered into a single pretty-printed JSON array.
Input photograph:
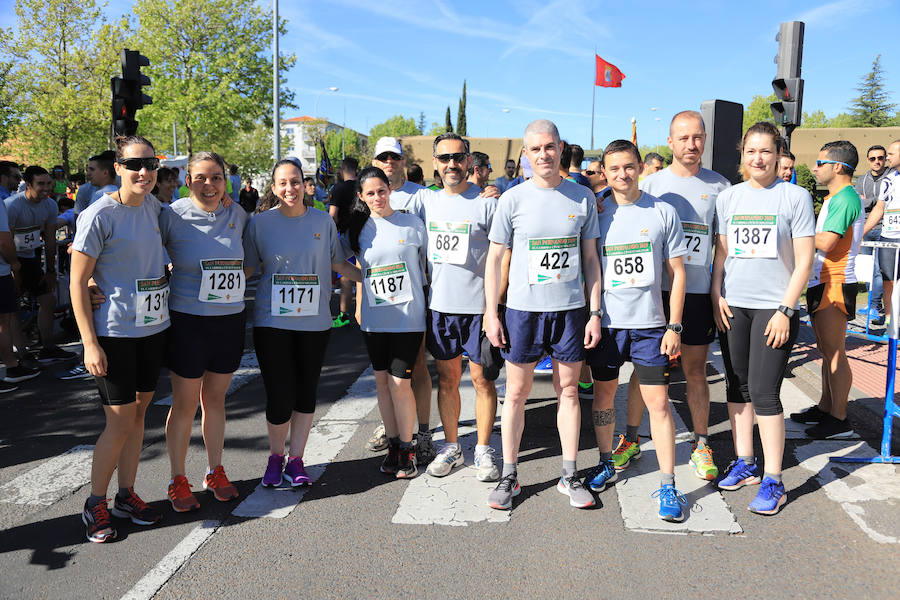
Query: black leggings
[
  {"x": 756, "y": 368},
  {"x": 290, "y": 363}
]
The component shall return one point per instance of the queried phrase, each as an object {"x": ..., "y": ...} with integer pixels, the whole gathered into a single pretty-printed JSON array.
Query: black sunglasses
[
  {"x": 456, "y": 157},
  {"x": 589, "y": 173},
  {"x": 384, "y": 156},
  {"x": 136, "y": 164},
  {"x": 874, "y": 158}
]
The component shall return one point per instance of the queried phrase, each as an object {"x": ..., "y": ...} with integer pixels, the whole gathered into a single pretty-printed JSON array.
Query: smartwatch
[
  {"x": 786, "y": 311},
  {"x": 676, "y": 327},
  {"x": 597, "y": 313}
]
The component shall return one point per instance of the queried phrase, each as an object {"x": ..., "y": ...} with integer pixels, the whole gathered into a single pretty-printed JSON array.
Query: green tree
[
  {"x": 662, "y": 150},
  {"x": 815, "y": 119},
  {"x": 352, "y": 145},
  {"x": 210, "y": 67},
  {"x": 758, "y": 110},
  {"x": 8, "y": 108},
  {"x": 873, "y": 106},
  {"x": 448, "y": 126},
  {"x": 461, "y": 113},
  {"x": 62, "y": 54},
  {"x": 396, "y": 126},
  {"x": 421, "y": 124},
  {"x": 436, "y": 129},
  {"x": 250, "y": 150}
]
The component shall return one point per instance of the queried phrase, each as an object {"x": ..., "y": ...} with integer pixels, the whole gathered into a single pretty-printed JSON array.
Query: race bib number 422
[
  {"x": 151, "y": 301},
  {"x": 753, "y": 236},
  {"x": 628, "y": 265},
  {"x": 295, "y": 295},
  {"x": 553, "y": 260}
]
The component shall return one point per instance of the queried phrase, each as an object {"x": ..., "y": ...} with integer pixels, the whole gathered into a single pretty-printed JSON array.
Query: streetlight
[{"x": 319, "y": 95}]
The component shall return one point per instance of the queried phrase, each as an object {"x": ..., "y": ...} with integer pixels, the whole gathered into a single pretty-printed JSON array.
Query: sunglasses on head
[
  {"x": 874, "y": 158},
  {"x": 455, "y": 156},
  {"x": 136, "y": 164},
  {"x": 819, "y": 163},
  {"x": 384, "y": 156}
]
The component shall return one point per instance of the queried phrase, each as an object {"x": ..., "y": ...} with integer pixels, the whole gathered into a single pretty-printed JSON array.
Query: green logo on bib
[
  {"x": 212, "y": 297},
  {"x": 738, "y": 251},
  {"x": 282, "y": 310},
  {"x": 148, "y": 319},
  {"x": 617, "y": 283},
  {"x": 543, "y": 278}
]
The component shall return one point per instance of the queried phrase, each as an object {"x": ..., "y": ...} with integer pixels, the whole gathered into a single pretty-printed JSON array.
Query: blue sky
[{"x": 536, "y": 59}]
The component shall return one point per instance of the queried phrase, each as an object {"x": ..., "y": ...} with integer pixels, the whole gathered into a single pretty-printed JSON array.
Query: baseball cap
[{"x": 388, "y": 144}]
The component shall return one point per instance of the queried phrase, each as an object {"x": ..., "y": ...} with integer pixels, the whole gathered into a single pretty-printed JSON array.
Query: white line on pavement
[{"x": 52, "y": 480}]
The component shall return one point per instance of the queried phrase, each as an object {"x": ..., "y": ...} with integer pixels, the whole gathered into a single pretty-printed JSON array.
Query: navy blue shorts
[
  {"x": 531, "y": 335},
  {"x": 448, "y": 334},
  {"x": 640, "y": 346}
]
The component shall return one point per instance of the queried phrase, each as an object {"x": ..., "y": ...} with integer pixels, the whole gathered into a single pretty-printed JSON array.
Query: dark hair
[
  {"x": 876, "y": 147},
  {"x": 654, "y": 157},
  {"x": 509, "y": 160},
  {"x": 307, "y": 179},
  {"x": 789, "y": 154},
  {"x": 449, "y": 136},
  {"x": 565, "y": 154},
  {"x": 233, "y": 169},
  {"x": 359, "y": 211},
  {"x": 350, "y": 164},
  {"x": 32, "y": 172},
  {"x": 123, "y": 141},
  {"x": 414, "y": 173},
  {"x": 577, "y": 156},
  {"x": 479, "y": 159},
  {"x": 764, "y": 128},
  {"x": 620, "y": 146},
  {"x": 105, "y": 161},
  {"x": 6, "y": 167},
  {"x": 167, "y": 173},
  {"x": 202, "y": 156},
  {"x": 842, "y": 151}
]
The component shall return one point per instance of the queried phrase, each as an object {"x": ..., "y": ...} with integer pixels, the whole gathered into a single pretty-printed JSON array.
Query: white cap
[{"x": 388, "y": 144}]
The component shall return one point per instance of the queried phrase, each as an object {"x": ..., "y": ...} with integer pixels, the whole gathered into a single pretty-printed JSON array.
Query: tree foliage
[
  {"x": 663, "y": 150},
  {"x": 421, "y": 123},
  {"x": 436, "y": 129},
  {"x": 9, "y": 110},
  {"x": 818, "y": 119},
  {"x": 448, "y": 125},
  {"x": 461, "y": 113},
  {"x": 250, "y": 149},
  {"x": 352, "y": 145},
  {"x": 873, "y": 106},
  {"x": 396, "y": 126},
  {"x": 758, "y": 110}
]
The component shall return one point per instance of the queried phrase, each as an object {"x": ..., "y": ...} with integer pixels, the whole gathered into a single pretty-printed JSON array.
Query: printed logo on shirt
[
  {"x": 231, "y": 225},
  {"x": 317, "y": 236},
  {"x": 645, "y": 231},
  {"x": 572, "y": 217},
  {"x": 401, "y": 242},
  {"x": 704, "y": 196}
]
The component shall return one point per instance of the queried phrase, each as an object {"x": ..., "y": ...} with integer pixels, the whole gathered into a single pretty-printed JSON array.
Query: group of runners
[{"x": 637, "y": 272}]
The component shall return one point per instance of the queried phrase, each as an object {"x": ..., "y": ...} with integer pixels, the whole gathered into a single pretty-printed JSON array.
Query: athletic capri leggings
[
  {"x": 758, "y": 369},
  {"x": 290, "y": 363}
]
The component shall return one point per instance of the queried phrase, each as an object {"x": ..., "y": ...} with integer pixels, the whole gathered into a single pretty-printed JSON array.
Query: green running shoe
[{"x": 625, "y": 452}]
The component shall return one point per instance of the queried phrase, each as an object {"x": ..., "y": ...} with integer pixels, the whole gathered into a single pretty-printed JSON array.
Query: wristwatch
[
  {"x": 786, "y": 311},
  {"x": 597, "y": 313},
  {"x": 676, "y": 327}
]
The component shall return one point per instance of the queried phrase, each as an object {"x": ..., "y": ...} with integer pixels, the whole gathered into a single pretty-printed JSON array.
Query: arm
[
  {"x": 721, "y": 310},
  {"x": 333, "y": 212},
  {"x": 49, "y": 234},
  {"x": 81, "y": 269},
  {"x": 874, "y": 217},
  {"x": 351, "y": 272},
  {"x": 357, "y": 314},
  {"x": 671, "y": 342},
  {"x": 778, "y": 327},
  {"x": 590, "y": 261},
  {"x": 504, "y": 274},
  {"x": 492, "y": 327},
  {"x": 8, "y": 251},
  {"x": 827, "y": 240}
]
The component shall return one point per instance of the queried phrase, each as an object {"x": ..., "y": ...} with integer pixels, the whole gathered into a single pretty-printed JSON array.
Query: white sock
[{"x": 481, "y": 449}]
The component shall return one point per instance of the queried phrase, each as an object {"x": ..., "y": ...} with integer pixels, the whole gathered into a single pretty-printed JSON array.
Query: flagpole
[{"x": 593, "y": 96}]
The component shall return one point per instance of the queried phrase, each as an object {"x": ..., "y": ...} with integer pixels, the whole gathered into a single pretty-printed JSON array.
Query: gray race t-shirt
[
  {"x": 109, "y": 188},
  {"x": 760, "y": 225},
  {"x": 694, "y": 199},
  {"x": 635, "y": 241},
  {"x": 83, "y": 196},
  {"x": 457, "y": 228},
  {"x": 294, "y": 255},
  {"x": 126, "y": 242},
  {"x": 402, "y": 195},
  {"x": 27, "y": 220},
  {"x": 392, "y": 259},
  {"x": 545, "y": 228},
  {"x": 4, "y": 227},
  {"x": 193, "y": 240}
]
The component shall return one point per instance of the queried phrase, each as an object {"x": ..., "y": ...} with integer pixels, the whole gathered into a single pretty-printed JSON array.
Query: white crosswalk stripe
[{"x": 52, "y": 480}]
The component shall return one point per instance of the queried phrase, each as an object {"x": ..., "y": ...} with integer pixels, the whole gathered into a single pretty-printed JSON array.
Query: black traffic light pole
[
  {"x": 127, "y": 92},
  {"x": 788, "y": 109}
]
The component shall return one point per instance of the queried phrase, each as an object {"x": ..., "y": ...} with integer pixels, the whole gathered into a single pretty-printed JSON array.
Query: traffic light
[
  {"x": 787, "y": 110},
  {"x": 127, "y": 92}
]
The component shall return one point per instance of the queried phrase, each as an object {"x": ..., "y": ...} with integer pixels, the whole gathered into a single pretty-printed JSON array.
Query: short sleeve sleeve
[
  {"x": 501, "y": 225},
  {"x": 252, "y": 258},
  {"x": 803, "y": 221},
  {"x": 90, "y": 235}
]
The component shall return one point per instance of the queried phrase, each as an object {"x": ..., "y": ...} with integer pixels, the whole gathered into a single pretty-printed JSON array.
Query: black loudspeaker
[{"x": 724, "y": 126}]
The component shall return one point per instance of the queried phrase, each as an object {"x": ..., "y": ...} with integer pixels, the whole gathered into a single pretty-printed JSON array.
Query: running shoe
[
  {"x": 424, "y": 447},
  {"x": 831, "y": 428},
  {"x": 7, "y": 387},
  {"x": 579, "y": 496},
  {"x": 76, "y": 372},
  {"x": 485, "y": 466},
  {"x": 217, "y": 483},
  {"x": 378, "y": 441},
  {"x": 391, "y": 460},
  {"x": 180, "y": 495},
  {"x": 770, "y": 498},
  {"x": 20, "y": 373},
  {"x": 544, "y": 367},
  {"x": 295, "y": 474},
  {"x": 132, "y": 507},
  {"x": 97, "y": 522},
  {"x": 342, "y": 320},
  {"x": 274, "y": 469},
  {"x": 625, "y": 452},
  {"x": 586, "y": 390},
  {"x": 738, "y": 474},
  {"x": 670, "y": 503},
  {"x": 601, "y": 476},
  {"x": 809, "y": 416},
  {"x": 406, "y": 469},
  {"x": 507, "y": 489},
  {"x": 446, "y": 459},
  {"x": 49, "y": 354},
  {"x": 702, "y": 462}
]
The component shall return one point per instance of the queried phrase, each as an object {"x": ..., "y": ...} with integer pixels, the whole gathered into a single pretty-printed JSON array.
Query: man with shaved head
[
  {"x": 692, "y": 190},
  {"x": 551, "y": 225}
]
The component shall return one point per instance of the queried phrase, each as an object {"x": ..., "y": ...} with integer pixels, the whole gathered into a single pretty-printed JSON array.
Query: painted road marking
[
  {"x": 52, "y": 480},
  {"x": 459, "y": 498}
]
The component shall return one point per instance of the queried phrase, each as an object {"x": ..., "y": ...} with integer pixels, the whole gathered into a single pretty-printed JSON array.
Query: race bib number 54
[
  {"x": 753, "y": 236},
  {"x": 553, "y": 260}
]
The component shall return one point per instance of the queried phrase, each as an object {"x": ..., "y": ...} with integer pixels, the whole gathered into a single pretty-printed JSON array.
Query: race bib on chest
[
  {"x": 448, "y": 242},
  {"x": 389, "y": 284},
  {"x": 553, "y": 260},
  {"x": 891, "y": 220},
  {"x": 151, "y": 301},
  {"x": 221, "y": 280},
  {"x": 28, "y": 239},
  {"x": 696, "y": 237},
  {"x": 628, "y": 265},
  {"x": 295, "y": 295},
  {"x": 753, "y": 236}
]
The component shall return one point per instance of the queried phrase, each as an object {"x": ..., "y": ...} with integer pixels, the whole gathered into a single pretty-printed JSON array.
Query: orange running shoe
[
  {"x": 218, "y": 484},
  {"x": 180, "y": 495}
]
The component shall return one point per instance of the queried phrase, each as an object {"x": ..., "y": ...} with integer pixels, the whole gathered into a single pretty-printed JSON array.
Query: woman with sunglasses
[
  {"x": 763, "y": 260},
  {"x": 204, "y": 240},
  {"x": 390, "y": 247},
  {"x": 296, "y": 248},
  {"x": 118, "y": 244}
]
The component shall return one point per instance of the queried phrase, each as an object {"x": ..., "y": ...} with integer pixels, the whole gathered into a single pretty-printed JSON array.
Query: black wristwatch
[
  {"x": 786, "y": 311},
  {"x": 597, "y": 313},
  {"x": 676, "y": 327}
]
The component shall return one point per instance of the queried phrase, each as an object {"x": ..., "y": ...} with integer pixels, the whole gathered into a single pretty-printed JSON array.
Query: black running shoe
[
  {"x": 831, "y": 429},
  {"x": 809, "y": 416},
  {"x": 20, "y": 373}
]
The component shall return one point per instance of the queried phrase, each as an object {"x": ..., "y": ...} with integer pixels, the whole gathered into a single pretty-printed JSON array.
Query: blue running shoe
[
  {"x": 770, "y": 499},
  {"x": 544, "y": 367},
  {"x": 601, "y": 476},
  {"x": 738, "y": 474},
  {"x": 670, "y": 503}
]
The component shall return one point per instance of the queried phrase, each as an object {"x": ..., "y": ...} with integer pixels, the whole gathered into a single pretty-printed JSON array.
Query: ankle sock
[
  {"x": 479, "y": 449},
  {"x": 452, "y": 445},
  {"x": 93, "y": 500},
  {"x": 773, "y": 476},
  {"x": 631, "y": 433},
  {"x": 605, "y": 457},
  {"x": 405, "y": 446},
  {"x": 569, "y": 468},
  {"x": 748, "y": 460},
  {"x": 701, "y": 439},
  {"x": 423, "y": 428},
  {"x": 509, "y": 469},
  {"x": 666, "y": 479},
  {"x": 124, "y": 492}
]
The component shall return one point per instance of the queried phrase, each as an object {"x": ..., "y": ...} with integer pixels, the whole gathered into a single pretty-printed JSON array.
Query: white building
[{"x": 300, "y": 137}]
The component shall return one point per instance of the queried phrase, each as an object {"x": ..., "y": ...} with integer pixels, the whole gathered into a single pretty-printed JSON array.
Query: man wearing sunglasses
[
  {"x": 868, "y": 186},
  {"x": 596, "y": 177},
  {"x": 886, "y": 212}
]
